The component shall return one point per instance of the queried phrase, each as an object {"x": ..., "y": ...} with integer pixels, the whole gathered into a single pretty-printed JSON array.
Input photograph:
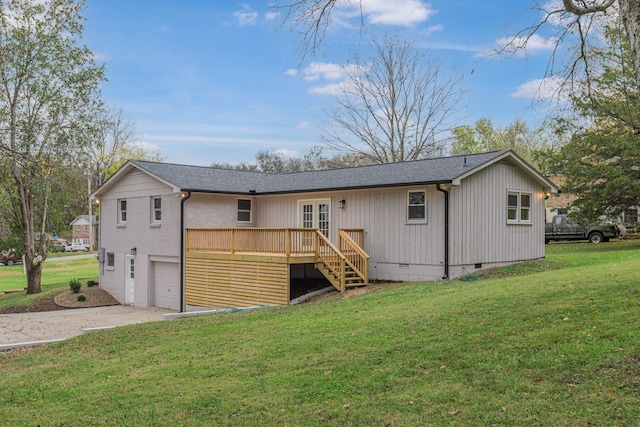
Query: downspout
[
  {"x": 446, "y": 230},
  {"x": 185, "y": 196}
]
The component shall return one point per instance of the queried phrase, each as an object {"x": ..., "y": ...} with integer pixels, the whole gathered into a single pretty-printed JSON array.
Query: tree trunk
[
  {"x": 34, "y": 275},
  {"x": 630, "y": 14}
]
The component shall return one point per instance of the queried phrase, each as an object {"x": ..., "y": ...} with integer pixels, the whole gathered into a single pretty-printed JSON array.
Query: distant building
[{"x": 83, "y": 231}]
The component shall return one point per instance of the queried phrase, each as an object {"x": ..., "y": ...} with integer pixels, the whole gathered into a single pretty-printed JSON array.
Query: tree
[
  {"x": 48, "y": 82},
  {"x": 277, "y": 162},
  {"x": 395, "y": 106},
  {"x": 629, "y": 13},
  {"x": 484, "y": 136},
  {"x": 312, "y": 18},
  {"x": 601, "y": 160}
]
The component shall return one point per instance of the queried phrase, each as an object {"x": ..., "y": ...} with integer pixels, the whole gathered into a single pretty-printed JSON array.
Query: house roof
[
  {"x": 82, "y": 220},
  {"x": 443, "y": 170}
]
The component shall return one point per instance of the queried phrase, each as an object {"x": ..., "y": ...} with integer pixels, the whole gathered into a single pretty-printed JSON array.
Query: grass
[
  {"x": 549, "y": 343},
  {"x": 54, "y": 272}
]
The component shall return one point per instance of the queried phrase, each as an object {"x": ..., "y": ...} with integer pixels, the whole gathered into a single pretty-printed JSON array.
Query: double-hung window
[
  {"x": 244, "y": 210},
  {"x": 122, "y": 211},
  {"x": 519, "y": 207},
  {"x": 416, "y": 206},
  {"x": 156, "y": 210}
]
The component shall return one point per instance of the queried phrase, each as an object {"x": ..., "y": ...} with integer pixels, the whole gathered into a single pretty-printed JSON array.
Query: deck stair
[
  {"x": 345, "y": 266},
  {"x": 250, "y": 266}
]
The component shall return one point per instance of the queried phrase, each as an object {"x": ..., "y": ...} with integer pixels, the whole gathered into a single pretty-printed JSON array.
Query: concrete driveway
[{"x": 27, "y": 329}]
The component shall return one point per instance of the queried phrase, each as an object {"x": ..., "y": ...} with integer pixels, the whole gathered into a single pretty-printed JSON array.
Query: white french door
[{"x": 315, "y": 214}]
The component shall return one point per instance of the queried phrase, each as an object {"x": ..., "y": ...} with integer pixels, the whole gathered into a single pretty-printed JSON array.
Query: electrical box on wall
[{"x": 100, "y": 255}]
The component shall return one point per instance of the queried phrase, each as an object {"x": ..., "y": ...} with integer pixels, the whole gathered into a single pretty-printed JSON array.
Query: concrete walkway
[{"x": 28, "y": 329}]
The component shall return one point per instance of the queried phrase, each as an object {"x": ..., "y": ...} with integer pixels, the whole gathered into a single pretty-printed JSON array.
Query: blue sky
[{"x": 217, "y": 81}]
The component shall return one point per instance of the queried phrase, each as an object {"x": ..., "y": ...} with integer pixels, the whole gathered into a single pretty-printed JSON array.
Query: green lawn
[
  {"x": 57, "y": 271},
  {"x": 551, "y": 343}
]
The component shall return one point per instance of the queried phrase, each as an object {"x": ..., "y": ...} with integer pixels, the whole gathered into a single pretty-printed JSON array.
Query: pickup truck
[{"x": 563, "y": 228}]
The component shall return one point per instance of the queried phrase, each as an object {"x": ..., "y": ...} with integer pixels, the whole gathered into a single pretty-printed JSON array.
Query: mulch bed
[{"x": 95, "y": 297}]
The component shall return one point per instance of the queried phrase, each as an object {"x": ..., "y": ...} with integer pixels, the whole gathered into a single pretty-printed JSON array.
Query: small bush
[
  {"x": 91, "y": 283},
  {"x": 81, "y": 298},
  {"x": 75, "y": 285}
]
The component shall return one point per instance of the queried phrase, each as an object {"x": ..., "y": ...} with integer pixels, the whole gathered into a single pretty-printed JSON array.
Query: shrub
[
  {"x": 91, "y": 283},
  {"x": 81, "y": 298},
  {"x": 75, "y": 285}
]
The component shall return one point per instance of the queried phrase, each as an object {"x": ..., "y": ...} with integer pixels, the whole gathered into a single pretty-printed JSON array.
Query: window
[
  {"x": 122, "y": 211},
  {"x": 244, "y": 210},
  {"x": 110, "y": 259},
  {"x": 631, "y": 216},
  {"x": 417, "y": 206},
  {"x": 519, "y": 207},
  {"x": 156, "y": 209}
]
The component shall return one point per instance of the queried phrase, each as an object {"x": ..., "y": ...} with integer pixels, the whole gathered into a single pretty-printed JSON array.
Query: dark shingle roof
[{"x": 205, "y": 179}]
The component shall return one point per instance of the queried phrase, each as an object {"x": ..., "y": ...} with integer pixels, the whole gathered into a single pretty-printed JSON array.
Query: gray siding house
[{"x": 163, "y": 226}]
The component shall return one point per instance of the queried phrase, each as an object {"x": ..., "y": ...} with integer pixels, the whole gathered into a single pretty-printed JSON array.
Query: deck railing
[
  {"x": 355, "y": 256},
  {"x": 277, "y": 241},
  {"x": 348, "y": 255}
]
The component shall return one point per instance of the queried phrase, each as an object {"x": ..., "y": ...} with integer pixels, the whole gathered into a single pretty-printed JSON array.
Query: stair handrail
[
  {"x": 363, "y": 257},
  {"x": 337, "y": 271}
]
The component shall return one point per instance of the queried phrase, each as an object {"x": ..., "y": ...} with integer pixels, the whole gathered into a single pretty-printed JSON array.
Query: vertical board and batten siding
[
  {"x": 139, "y": 232},
  {"x": 398, "y": 250},
  {"x": 213, "y": 282},
  {"x": 478, "y": 220}
]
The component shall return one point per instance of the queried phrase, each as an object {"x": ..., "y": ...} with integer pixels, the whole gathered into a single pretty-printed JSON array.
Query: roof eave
[
  {"x": 530, "y": 170},
  {"x": 124, "y": 169},
  {"x": 316, "y": 190}
]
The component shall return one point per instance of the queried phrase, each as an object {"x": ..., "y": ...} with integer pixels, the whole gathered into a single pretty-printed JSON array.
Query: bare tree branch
[{"x": 395, "y": 106}]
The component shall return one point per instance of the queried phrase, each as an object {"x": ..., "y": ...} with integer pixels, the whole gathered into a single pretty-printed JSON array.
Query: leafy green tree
[
  {"x": 601, "y": 160},
  {"x": 484, "y": 136},
  {"x": 48, "y": 84}
]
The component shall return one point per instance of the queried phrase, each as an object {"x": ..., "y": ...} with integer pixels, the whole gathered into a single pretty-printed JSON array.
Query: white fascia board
[
  {"x": 530, "y": 170},
  {"x": 123, "y": 171}
]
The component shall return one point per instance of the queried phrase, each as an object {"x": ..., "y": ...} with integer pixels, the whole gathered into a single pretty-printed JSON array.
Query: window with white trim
[
  {"x": 244, "y": 210},
  {"x": 156, "y": 209},
  {"x": 122, "y": 211},
  {"x": 416, "y": 206},
  {"x": 110, "y": 259},
  {"x": 519, "y": 207}
]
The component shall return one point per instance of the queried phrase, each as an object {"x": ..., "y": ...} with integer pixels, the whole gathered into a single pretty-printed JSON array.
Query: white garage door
[{"x": 166, "y": 276}]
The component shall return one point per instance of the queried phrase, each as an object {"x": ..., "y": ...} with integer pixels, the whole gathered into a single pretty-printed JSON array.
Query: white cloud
[
  {"x": 291, "y": 154},
  {"x": 246, "y": 16},
  {"x": 388, "y": 12},
  {"x": 520, "y": 46},
  {"x": 329, "y": 89},
  {"x": 148, "y": 147},
  {"x": 270, "y": 16},
  {"x": 529, "y": 45},
  {"x": 548, "y": 88},
  {"x": 433, "y": 29},
  {"x": 338, "y": 74},
  {"x": 292, "y": 72},
  {"x": 329, "y": 71},
  {"x": 303, "y": 125}
]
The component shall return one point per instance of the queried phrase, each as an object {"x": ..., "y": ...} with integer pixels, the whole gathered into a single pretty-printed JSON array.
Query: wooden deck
[{"x": 239, "y": 267}]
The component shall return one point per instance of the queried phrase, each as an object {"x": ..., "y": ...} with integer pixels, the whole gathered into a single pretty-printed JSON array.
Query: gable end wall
[{"x": 478, "y": 221}]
